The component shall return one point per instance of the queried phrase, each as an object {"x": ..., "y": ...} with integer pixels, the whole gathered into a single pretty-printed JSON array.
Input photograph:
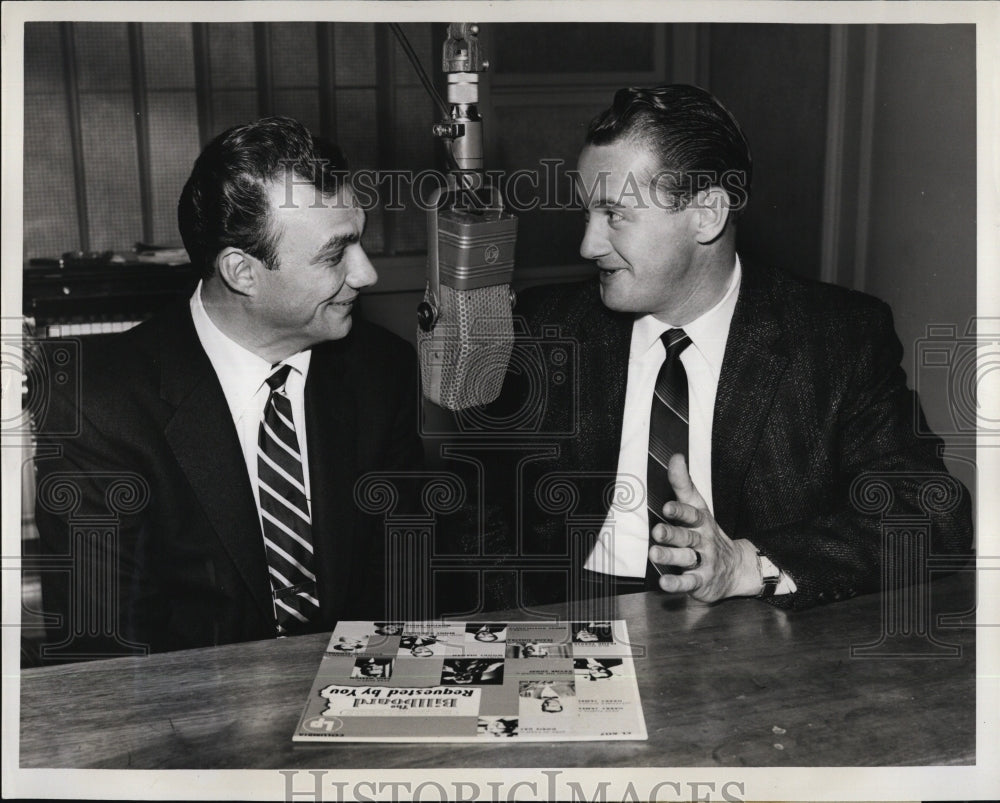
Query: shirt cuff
[{"x": 786, "y": 585}]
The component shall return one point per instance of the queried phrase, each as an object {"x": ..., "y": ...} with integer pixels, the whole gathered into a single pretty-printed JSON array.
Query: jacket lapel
[
  {"x": 754, "y": 361},
  {"x": 204, "y": 441},
  {"x": 604, "y": 349},
  {"x": 332, "y": 431}
]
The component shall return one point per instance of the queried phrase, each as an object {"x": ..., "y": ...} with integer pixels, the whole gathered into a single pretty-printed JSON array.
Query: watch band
[{"x": 770, "y": 576}]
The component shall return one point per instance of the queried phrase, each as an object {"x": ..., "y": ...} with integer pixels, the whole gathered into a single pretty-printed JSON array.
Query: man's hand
[{"x": 727, "y": 568}]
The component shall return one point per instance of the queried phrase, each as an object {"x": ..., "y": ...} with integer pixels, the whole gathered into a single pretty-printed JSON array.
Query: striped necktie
[
  {"x": 284, "y": 512},
  {"x": 668, "y": 432}
]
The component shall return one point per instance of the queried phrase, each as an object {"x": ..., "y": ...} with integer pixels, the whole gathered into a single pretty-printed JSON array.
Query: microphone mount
[
  {"x": 465, "y": 336},
  {"x": 462, "y": 59}
]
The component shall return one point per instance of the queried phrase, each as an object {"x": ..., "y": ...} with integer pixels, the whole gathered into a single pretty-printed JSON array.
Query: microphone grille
[{"x": 464, "y": 358}]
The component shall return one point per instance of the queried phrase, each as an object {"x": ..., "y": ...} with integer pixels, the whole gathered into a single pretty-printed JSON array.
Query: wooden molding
[
  {"x": 140, "y": 106},
  {"x": 265, "y": 68},
  {"x": 203, "y": 82},
  {"x": 865, "y": 157},
  {"x": 833, "y": 168},
  {"x": 72, "y": 85}
]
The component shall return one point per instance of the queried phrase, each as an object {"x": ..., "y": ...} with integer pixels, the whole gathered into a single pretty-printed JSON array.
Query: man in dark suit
[
  {"x": 208, "y": 495},
  {"x": 723, "y": 424}
]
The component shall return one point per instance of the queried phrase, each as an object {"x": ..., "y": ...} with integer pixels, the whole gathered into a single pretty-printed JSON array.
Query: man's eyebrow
[
  {"x": 596, "y": 197},
  {"x": 605, "y": 203},
  {"x": 335, "y": 244}
]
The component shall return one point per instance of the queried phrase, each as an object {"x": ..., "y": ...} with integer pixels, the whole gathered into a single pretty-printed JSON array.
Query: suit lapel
[
  {"x": 204, "y": 441},
  {"x": 754, "y": 361},
  {"x": 331, "y": 427},
  {"x": 604, "y": 349}
]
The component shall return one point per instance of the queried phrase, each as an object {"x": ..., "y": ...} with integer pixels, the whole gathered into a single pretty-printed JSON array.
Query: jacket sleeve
[
  {"x": 892, "y": 502},
  {"x": 91, "y": 508}
]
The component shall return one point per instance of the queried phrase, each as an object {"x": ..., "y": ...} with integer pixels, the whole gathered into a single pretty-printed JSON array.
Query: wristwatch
[{"x": 770, "y": 575}]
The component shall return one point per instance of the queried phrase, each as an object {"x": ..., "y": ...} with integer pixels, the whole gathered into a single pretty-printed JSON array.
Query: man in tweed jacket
[{"x": 798, "y": 405}]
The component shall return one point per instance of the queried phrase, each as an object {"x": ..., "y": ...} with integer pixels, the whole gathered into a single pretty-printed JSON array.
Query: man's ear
[
  {"x": 236, "y": 268},
  {"x": 712, "y": 206}
]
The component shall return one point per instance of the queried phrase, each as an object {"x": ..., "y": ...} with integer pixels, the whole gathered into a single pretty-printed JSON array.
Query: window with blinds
[{"x": 115, "y": 114}]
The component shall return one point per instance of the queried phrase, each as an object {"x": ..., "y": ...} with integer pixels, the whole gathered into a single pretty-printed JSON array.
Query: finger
[
  {"x": 680, "y": 481},
  {"x": 681, "y": 558},
  {"x": 671, "y": 535},
  {"x": 679, "y": 583},
  {"x": 680, "y": 513}
]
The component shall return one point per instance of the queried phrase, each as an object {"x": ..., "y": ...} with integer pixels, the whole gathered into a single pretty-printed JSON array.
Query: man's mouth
[{"x": 344, "y": 302}]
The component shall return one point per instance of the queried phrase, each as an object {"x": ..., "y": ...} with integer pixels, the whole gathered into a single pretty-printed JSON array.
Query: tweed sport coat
[
  {"x": 187, "y": 565},
  {"x": 812, "y": 416}
]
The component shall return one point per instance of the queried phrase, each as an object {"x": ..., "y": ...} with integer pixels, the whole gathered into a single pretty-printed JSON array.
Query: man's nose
[
  {"x": 361, "y": 272},
  {"x": 595, "y": 242}
]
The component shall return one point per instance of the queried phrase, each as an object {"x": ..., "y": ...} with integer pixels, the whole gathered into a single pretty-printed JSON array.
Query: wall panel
[
  {"x": 357, "y": 137},
  {"x": 231, "y": 55},
  {"x": 413, "y": 152},
  {"x": 575, "y": 52},
  {"x": 294, "y": 55},
  {"x": 921, "y": 251},
  {"x": 354, "y": 53},
  {"x": 102, "y": 57},
  {"x": 109, "y": 148},
  {"x": 169, "y": 51},
  {"x": 188, "y": 88},
  {"x": 50, "y": 211},
  {"x": 302, "y": 104},
  {"x": 107, "y": 125},
  {"x": 173, "y": 135},
  {"x": 774, "y": 79},
  {"x": 173, "y": 121},
  {"x": 527, "y": 135},
  {"x": 232, "y": 107},
  {"x": 549, "y": 81},
  {"x": 43, "y": 67}
]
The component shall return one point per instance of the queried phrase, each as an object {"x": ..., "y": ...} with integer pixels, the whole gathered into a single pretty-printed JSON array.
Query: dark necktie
[
  {"x": 668, "y": 431},
  {"x": 284, "y": 509}
]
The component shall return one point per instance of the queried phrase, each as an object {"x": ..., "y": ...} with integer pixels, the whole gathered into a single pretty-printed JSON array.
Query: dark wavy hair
[
  {"x": 224, "y": 202},
  {"x": 696, "y": 140}
]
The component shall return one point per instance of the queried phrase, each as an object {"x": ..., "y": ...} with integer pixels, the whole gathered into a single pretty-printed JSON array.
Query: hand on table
[{"x": 727, "y": 568}]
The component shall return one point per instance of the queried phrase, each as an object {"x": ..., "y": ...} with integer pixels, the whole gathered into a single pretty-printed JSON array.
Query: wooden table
[{"x": 737, "y": 684}]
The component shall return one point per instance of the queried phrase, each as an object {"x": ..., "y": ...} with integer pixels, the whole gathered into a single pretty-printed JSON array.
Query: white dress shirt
[
  {"x": 622, "y": 547},
  {"x": 243, "y": 376},
  {"x": 623, "y": 544}
]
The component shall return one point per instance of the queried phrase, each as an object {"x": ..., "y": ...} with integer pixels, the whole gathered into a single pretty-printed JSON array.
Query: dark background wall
[
  {"x": 864, "y": 140},
  {"x": 921, "y": 218}
]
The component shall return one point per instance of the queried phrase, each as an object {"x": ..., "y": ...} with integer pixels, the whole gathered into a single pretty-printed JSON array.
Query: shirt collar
[
  {"x": 241, "y": 372},
  {"x": 708, "y": 332}
]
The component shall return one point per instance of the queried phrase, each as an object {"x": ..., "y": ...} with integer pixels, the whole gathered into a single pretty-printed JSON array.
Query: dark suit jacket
[
  {"x": 811, "y": 398},
  {"x": 187, "y": 562}
]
